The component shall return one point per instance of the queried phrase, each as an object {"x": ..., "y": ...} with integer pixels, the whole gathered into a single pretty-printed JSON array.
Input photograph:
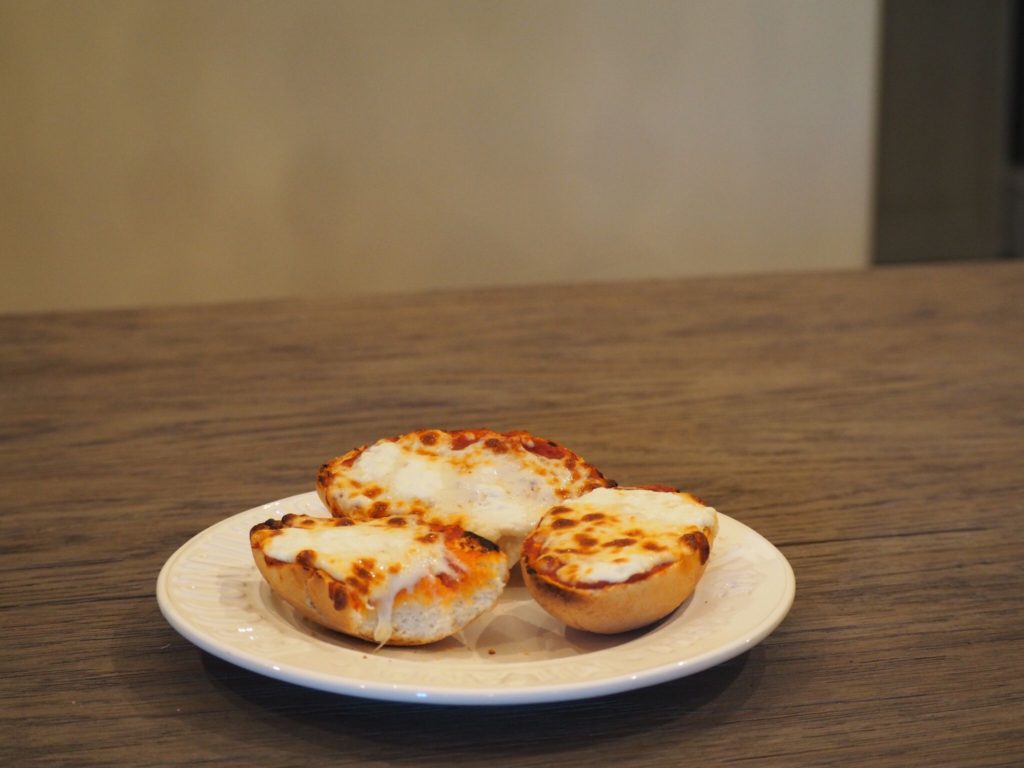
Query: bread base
[{"x": 617, "y": 607}]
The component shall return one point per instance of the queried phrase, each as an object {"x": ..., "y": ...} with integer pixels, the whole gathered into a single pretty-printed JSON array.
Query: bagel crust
[
  {"x": 618, "y": 559},
  {"x": 496, "y": 484},
  {"x": 394, "y": 581}
]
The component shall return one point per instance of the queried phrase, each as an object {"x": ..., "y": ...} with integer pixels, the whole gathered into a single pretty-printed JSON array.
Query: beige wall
[{"x": 156, "y": 152}]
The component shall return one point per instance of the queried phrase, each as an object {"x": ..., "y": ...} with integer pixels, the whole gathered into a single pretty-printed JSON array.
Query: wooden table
[{"x": 870, "y": 424}]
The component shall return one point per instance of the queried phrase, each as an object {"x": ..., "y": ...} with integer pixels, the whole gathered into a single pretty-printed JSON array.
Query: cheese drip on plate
[{"x": 384, "y": 559}]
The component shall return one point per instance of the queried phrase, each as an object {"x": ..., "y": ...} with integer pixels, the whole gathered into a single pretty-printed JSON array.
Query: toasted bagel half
[
  {"x": 617, "y": 559},
  {"x": 393, "y": 580},
  {"x": 496, "y": 484}
]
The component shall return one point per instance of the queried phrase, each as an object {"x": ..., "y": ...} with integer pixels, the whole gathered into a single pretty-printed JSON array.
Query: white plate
[{"x": 211, "y": 592}]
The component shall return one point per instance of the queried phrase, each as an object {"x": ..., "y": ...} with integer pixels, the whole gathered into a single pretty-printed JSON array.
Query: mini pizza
[
  {"x": 496, "y": 484},
  {"x": 617, "y": 559},
  {"x": 390, "y": 580}
]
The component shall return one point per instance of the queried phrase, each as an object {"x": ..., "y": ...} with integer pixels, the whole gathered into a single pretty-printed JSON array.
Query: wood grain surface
[{"x": 870, "y": 424}]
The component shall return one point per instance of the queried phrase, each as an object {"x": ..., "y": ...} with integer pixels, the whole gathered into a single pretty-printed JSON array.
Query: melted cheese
[
  {"x": 616, "y": 533},
  {"x": 495, "y": 495},
  {"x": 397, "y": 559}
]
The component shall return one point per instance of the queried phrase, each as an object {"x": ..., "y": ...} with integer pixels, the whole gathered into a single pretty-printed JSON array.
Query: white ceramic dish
[{"x": 210, "y": 592}]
